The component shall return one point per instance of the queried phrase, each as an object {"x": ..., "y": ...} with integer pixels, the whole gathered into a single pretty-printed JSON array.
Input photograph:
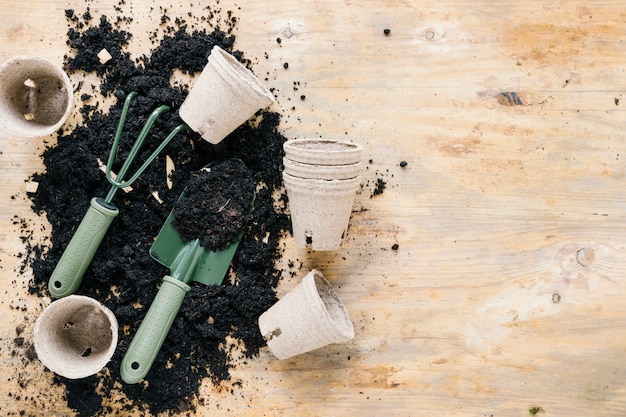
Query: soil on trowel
[
  {"x": 214, "y": 321},
  {"x": 216, "y": 205}
]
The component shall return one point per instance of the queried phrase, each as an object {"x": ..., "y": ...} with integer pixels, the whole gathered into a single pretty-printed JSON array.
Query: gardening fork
[{"x": 68, "y": 273}]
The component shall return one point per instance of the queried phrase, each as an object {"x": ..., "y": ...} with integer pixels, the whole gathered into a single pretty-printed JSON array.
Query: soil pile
[
  {"x": 216, "y": 205},
  {"x": 122, "y": 274}
]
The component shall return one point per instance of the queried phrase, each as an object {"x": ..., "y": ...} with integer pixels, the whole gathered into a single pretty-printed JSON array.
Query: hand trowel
[{"x": 188, "y": 261}]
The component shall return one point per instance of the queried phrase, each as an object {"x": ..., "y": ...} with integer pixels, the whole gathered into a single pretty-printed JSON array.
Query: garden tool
[
  {"x": 69, "y": 271},
  {"x": 187, "y": 261}
]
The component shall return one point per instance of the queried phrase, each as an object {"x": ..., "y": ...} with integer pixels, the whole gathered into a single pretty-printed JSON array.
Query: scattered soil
[
  {"x": 214, "y": 321},
  {"x": 379, "y": 188},
  {"x": 216, "y": 205}
]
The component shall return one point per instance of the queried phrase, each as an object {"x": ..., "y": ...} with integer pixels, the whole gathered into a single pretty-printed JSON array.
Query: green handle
[
  {"x": 68, "y": 273},
  {"x": 153, "y": 329}
]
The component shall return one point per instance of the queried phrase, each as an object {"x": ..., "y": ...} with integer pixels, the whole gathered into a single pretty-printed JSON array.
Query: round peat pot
[
  {"x": 224, "y": 96},
  {"x": 75, "y": 336},
  {"x": 322, "y": 172},
  {"x": 320, "y": 210},
  {"x": 307, "y": 318},
  {"x": 36, "y": 96},
  {"x": 323, "y": 151}
]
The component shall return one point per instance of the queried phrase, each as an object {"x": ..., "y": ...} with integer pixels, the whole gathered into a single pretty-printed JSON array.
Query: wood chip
[
  {"x": 169, "y": 168},
  {"x": 104, "y": 56},
  {"x": 31, "y": 187},
  {"x": 156, "y": 196}
]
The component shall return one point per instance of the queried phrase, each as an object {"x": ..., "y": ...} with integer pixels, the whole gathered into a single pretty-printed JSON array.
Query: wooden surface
[{"x": 506, "y": 294}]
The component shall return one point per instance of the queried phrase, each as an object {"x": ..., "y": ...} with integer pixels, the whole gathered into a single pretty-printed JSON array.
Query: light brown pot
[
  {"x": 320, "y": 210},
  {"x": 75, "y": 336},
  {"x": 36, "y": 96},
  {"x": 307, "y": 318},
  {"x": 224, "y": 96},
  {"x": 323, "y": 151}
]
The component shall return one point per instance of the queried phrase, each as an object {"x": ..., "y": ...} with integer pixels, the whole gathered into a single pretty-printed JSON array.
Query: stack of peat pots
[{"x": 321, "y": 178}]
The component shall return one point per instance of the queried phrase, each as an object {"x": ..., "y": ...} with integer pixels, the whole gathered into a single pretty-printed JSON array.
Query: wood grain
[{"x": 505, "y": 295}]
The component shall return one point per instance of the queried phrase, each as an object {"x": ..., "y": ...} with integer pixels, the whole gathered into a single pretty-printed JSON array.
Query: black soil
[
  {"x": 122, "y": 274},
  {"x": 216, "y": 205}
]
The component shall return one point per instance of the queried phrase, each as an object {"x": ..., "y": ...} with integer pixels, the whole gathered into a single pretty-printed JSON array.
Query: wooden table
[{"x": 505, "y": 296}]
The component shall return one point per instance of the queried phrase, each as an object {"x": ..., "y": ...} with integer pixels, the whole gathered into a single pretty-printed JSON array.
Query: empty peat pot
[
  {"x": 323, "y": 151},
  {"x": 307, "y": 318},
  {"x": 75, "y": 336},
  {"x": 224, "y": 96},
  {"x": 320, "y": 210},
  {"x": 36, "y": 96}
]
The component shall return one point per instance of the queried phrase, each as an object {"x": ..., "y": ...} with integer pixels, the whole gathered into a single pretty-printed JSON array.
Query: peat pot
[
  {"x": 75, "y": 336},
  {"x": 36, "y": 96},
  {"x": 307, "y": 318}
]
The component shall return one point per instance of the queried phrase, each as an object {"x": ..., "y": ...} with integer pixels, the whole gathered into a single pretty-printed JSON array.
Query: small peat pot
[
  {"x": 320, "y": 210},
  {"x": 75, "y": 336},
  {"x": 323, "y": 151},
  {"x": 322, "y": 172},
  {"x": 36, "y": 96},
  {"x": 309, "y": 317},
  {"x": 224, "y": 96}
]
